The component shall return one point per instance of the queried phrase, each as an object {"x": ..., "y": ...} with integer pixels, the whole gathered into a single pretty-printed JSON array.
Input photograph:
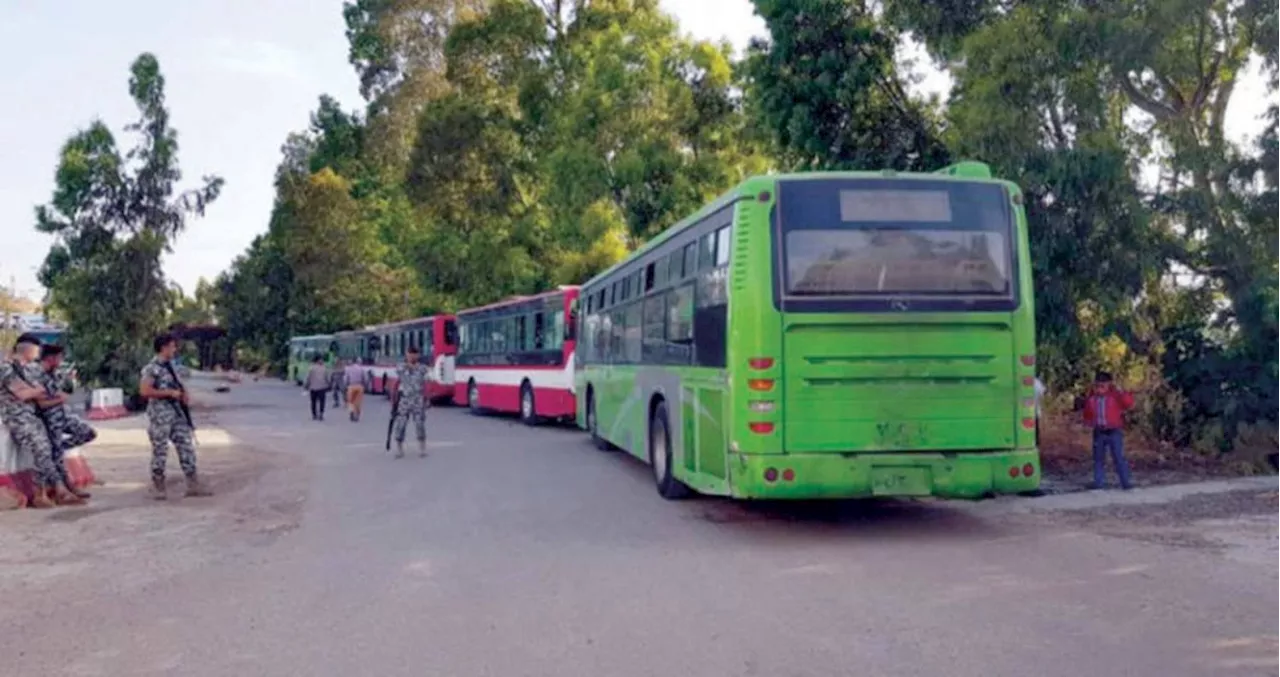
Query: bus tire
[
  {"x": 473, "y": 396},
  {"x": 660, "y": 456},
  {"x": 528, "y": 406},
  {"x": 593, "y": 423}
]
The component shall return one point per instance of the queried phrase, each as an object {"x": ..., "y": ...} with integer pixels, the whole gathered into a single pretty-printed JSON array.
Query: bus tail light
[
  {"x": 760, "y": 427},
  {"x": 1029, "y": 423},
  {"x": 760, "y": 406},
  {"x": 788, "y": 475},
  {"x": 760, "y": 384},
  {"x": 1028, "y": 470},
  {"x": 1013, "y": 472},
  {"x": 1028, "y": 360},
  {"x": 771, "y": 474},
  {"x": 1029, "y": 381},
  {"x": 760, "y": 362}
]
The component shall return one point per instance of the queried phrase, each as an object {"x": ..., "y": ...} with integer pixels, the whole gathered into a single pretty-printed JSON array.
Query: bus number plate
[{"x": 900, "y": 482}]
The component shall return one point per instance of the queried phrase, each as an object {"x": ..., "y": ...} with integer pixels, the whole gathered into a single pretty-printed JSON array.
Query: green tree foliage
[
  {"x": 826, "y": 84},
  {"x": 114, "y": 215},
  {"x": 1075, "y": 100}
]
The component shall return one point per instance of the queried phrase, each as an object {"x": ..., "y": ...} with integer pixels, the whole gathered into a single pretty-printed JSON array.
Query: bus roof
[
  {"x": 401, "y": 323},
  {"x": 961, "y": 171},
  {"x": 510, "y": 300},
  {"x": 312, "y": 337}
]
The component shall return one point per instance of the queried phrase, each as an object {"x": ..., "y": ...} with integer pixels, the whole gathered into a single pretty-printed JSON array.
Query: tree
[
  {"x": 826, "y": 86},
  {"x": 113, "y": 216}
]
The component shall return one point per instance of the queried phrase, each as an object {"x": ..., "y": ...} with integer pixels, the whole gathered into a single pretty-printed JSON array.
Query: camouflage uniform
[
  {"x": 167, "y": 424},
  {"x": 412, "y": 402},
  {"x": 23, "y": 421},
  {"x": 66, "y": 430}
]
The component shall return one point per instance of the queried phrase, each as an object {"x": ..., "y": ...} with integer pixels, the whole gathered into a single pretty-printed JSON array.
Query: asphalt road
[{"x": 519, "y": 552}]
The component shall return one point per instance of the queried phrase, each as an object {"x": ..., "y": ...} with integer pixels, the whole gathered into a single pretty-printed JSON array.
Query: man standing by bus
[
  {"x": 1104, "y": 412},
  {"x": 410, "y": 401}
]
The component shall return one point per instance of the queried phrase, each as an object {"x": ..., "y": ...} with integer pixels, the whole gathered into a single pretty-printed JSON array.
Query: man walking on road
[
  {"x": 66, "y": 430},
  {"x": 317, "y": 384},
  {"x": 410, "y": 401},
  {"x": 168, "y": 419},
  {"x": 1104, "y": 412},
  {"x": 336, "y": 384},
  {"x": 354, "y": 376},
  {"x": 19, "y": 399}
]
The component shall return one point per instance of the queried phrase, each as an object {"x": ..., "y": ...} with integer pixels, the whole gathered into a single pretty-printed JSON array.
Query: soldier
[
  {"x": 19, "y": 399},
  {"x": 336, "y": 385},
  {"x": 409, "y": 401},
  {"x": 66, "y": 430},
  {"x": 168, "y": 419}
]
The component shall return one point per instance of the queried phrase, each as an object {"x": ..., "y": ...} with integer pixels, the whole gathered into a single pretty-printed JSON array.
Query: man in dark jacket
[{"x": 1104, "y": 412}]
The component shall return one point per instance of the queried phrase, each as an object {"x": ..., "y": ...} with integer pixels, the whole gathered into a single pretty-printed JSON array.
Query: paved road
[{"x": 518, "y": 552}]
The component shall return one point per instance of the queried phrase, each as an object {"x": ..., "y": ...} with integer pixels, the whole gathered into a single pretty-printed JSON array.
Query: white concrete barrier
[
  {"x": 17, "y": 481},
  {"x": 17, "y": 472},
  {"x": 105, "y": 403}
]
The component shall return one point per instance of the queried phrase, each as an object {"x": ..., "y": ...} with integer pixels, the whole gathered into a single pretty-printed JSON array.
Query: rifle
[
  {"x": 182, "y": 406},
  {"x": 391, "y": 424}
]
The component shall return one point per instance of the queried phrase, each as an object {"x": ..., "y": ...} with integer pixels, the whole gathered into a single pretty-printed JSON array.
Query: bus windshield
[{"x": 895, "y": 238}]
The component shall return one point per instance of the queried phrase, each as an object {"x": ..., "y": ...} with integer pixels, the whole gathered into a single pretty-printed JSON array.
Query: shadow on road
[{"x": 866, "y": 517}]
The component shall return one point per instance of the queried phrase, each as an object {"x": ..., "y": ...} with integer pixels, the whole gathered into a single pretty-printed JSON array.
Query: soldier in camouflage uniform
[
  {"x": 66, "y": 430},
  {"x": 411, "y": 401},
  {"x": 167, "y": 419},
  {"x": 20, "y": 398}
]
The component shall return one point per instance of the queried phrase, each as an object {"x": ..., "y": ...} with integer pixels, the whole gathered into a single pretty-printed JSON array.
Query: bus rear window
[{"x": 878, "y": 237}]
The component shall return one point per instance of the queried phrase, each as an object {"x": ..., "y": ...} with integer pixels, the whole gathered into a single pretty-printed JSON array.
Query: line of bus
[
  {"x": 817, "y": 335},
  {"x": 516, "y": 356}
]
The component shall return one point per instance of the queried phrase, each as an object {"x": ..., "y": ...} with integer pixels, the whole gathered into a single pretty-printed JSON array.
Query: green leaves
[
  {"x": 825, "y": 84},
  {"x": 113, "y": 217}
]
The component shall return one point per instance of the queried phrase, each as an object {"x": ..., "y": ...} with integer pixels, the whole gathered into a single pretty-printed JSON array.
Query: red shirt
[{"x": 1105, "y": 410}]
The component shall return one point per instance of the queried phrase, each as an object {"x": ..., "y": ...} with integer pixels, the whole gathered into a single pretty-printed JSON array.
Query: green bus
[
  {"x": 303, "y": 349},
  {"x": 823, "y": 335}
]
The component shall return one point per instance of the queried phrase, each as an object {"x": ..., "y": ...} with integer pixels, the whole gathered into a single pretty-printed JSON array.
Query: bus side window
[
  {"x": 707, "y": 252},
  {"x": 722, "y": 246}
]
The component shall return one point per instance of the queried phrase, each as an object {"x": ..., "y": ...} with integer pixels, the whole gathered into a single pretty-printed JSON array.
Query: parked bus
[
  {"x": 516, "y": 356},
  {"x": 823, "y": 335},
  {"x": 353, "y": 345},
  {"x": 435, "y": 336},
  {"x": 303, "y": 349}
]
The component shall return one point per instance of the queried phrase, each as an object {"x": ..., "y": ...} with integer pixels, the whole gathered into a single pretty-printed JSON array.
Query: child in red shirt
[{"x": 1104, "y": 412}]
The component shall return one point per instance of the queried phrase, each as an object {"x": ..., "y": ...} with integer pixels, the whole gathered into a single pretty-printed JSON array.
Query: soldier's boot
[
  {"x": 158, "y": 491},
  {"x": 399, "y": 449},
  {"x": 41, "y": 499},
  {"x": 196, "y": 488},
  {"x": 67, "y": 497},
  {"x": 422, "y": 448}
]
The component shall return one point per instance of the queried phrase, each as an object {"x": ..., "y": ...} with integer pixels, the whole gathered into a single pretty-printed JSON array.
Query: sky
[{"x": 240, "y": 76}]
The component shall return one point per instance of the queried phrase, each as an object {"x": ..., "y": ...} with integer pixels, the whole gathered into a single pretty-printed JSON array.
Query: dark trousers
[
  {"x": 1112, "y": 441},
  {"x": 317, "y": 403}
]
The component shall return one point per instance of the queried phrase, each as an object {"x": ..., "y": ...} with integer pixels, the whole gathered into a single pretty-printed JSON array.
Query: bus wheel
[
  {"x": 593, "y": 423},
  {"x": 528, "y": 413},
  {"x": 473, "y": 396},
  {"x": 660, "y": 457}
]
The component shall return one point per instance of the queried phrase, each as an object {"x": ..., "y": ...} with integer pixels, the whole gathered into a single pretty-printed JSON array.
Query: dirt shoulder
[
  {"x": 1066, "y": 458},
  {"x": 123, "y": 539}
]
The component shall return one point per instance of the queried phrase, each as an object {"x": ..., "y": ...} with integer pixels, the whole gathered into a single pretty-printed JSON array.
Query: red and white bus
[
  {"x": 516, "y": 356},
  {"x": 436, "y": 336}
]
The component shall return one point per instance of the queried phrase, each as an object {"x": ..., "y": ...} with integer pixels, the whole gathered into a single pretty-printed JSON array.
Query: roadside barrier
[
  {"x": 17, "y": 480},
  {"x": 106, "y": 403},
  {"x": 17, "y": 474}
]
